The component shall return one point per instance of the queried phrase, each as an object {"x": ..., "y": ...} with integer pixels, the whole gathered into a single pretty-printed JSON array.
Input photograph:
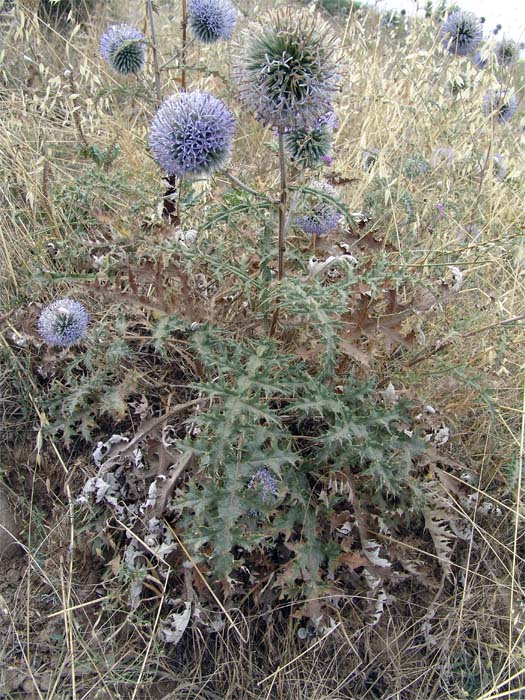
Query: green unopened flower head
[
  {"x": 310, "y": 147},
  {"x": 289, "y": 69}
]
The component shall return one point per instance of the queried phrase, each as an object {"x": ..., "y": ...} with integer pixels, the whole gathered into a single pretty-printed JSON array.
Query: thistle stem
[
  {"x": 184, "y": 27},
  {"x": 282, "y": 223},
  {"x": 156, "y": 68}
]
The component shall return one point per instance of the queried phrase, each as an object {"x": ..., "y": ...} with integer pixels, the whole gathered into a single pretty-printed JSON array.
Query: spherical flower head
[
  {"x": 191, "y": 134},
  {"x": 461, "y": 33},
  {"x": 63, "y": 323},
  {"x": 414, "y": 167},
  {"x": 501, "y": 104},
  {"x": 320, "y": 215},
  {"x": 443, "y": 156},
  {"x": 123, "y": 48},
  {"x": 263, "y": 481},
  {"x": 370, "y": 158},
  {"x": 288, "y": 70},
  {"x": 507, "y": 52},
  {"x": 211, "y": 20},
  {"x": 310, "y": 147}
]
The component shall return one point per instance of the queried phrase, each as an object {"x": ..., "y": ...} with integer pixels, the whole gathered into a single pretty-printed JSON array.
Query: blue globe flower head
[
  {"x": 264, "y": 482},
  {"x": 309, "y": 147},
  {"x": 211, "y": 20},
  {"x": 461, "y": 33},
  {"x": 289, "y": 69},
  {"x": 320, "y": 216},
  {"x": 63, "y": 323},
  {"x": 192, "y": 134},
  {"x": 415, "y": 166},
  {"x": 500, "y": 104},
  {"x": 507, "y": 52},
  {"x": 124, "y": 49}
]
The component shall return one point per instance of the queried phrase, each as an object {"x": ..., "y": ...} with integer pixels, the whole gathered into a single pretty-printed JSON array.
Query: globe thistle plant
[
  {"x": 461, "y": 33},
  {"x": 288, "y": 71},
  {"x": 124, "y": 49},
  {"x": 507, "y": 52},
  {"x": 264, "y": 482},
  {"x": 500, "y": 104},
  {"x": 311, "y": 147},
  {"x": 191, "y": 134},
  {"x": 211, "y": 20},
  {"x": 320, "y": 216},
  {"x": 63, "y": 323}
]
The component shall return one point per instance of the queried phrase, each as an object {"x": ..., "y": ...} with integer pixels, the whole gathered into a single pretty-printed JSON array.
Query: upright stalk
[
  {"x": 283, "y": 199},
  {"x": 184, "y": 27},
  {"x": 158, "y": 89}
]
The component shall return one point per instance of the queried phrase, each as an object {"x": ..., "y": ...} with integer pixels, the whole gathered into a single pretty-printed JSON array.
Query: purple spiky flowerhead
[
  {"x": 507, "y": 52},
  {"x": 211, "y": 20},
  {"x": 63, "y": 323},
  {"x": 123, "y": 48},
  {"x": 320, "y": 216},
  {"x": 500, "y": 104},
  {"x": 461, "y": 33},
  {"x": 288, "y": 69},
  {"x": 264, "y": 481},
  {"x": 192, "y": 134}
]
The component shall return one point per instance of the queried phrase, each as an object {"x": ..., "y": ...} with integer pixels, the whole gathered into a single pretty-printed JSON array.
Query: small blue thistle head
[
  {"x": 501, "y": 104},
  {"x": 123, "y": 48},
  {"x": 507, "y": 52},
  {"x": 63, "y": 323},
  {"x": 443, "y": 156},
  {"x": 369, "y": 158},
  {"x": 461, "y": 33},
  {"x": 415, "y": 166},
  {"x": 211, "y": 20},
  {"x": 310, "y": 147},
  {"x": 192, "y": 134},
  {"x": 320, "y": 217},
  {"x": 263, "y": 480},
  {"x": 288, "y": 71},
  {"x": 499, "y": 167}
]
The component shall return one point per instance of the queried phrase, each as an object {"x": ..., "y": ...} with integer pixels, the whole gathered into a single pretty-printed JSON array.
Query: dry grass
[{"x": 63, "y": 636}]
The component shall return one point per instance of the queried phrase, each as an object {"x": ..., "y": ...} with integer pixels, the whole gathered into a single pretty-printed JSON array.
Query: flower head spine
[
  {"x": 461, "y": 33},
  {"x": 192, "y": 134},
  {"x": 123, "y": 48},
  {"x": 211, "y": 20},
  {"x": 63, "y": 323}
]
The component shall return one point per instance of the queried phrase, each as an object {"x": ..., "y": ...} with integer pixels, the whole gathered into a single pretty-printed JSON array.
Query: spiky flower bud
[
  {"x": 310, "y": 147},
  {"x": 123, "y": 48},
  {"x": 500, "y": 104},
  {"x": 191, "y": 134},
  {"x": 63, "y": 323},
  {"x": 507, "y": 52},
  {"x": 320, "y": 216},
  {"x": 288, "y": 70},
  {"x": 211, "y": 20},
  {"x": 263, "y": 480},
  {"x": 461, "y": 33},
  {"x": 415, "y": 166}
]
